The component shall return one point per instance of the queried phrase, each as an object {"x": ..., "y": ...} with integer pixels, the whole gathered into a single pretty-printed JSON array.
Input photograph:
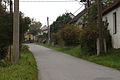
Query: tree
[
  {"x": 24, "y": 26},
  {"x": 6, "y": 29},
  {"x": 64, "y": 19},
  {"x": 91, "y": 31},
  {"x": 35, "y": 27}
]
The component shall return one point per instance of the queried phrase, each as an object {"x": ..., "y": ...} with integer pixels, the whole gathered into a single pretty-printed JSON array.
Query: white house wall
[{"x": 115, "y": 37}]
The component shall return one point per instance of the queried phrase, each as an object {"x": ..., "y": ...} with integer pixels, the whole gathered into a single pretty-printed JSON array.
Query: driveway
[{"x": 54, "y": 65}]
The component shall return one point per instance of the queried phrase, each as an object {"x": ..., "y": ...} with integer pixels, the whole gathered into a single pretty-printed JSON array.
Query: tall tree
[
  {"x": 64, "y": 19},
  {"x": 5, "y": 31}
]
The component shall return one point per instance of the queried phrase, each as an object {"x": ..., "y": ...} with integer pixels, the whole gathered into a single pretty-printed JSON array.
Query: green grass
[
  {"x": 25, "y": 70},
  {"x": 72, "y": 51},
  {"x": 110, "y": 59}
]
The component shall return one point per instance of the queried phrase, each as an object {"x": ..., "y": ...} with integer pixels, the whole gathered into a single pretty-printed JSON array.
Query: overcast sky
[{"x": 40, "y": 10}]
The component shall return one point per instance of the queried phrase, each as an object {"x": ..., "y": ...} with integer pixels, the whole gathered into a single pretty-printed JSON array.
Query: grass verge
[
  {"x": 25, "y": 70},
  {"x": 110, "y": 59}
]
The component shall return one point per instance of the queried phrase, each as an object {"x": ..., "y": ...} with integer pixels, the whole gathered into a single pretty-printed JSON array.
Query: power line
[
  {"x": 47, "y": 1},
  {"x": 78, "y": 9}
]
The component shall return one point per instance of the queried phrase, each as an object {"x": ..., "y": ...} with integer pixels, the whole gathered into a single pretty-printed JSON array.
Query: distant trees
[
  {"x": 25, "y": 23},
  {"x": 35, "y": 27}
]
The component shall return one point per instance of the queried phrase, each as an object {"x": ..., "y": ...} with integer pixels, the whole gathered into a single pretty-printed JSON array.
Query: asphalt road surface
[{"x": 54, "y": 65}]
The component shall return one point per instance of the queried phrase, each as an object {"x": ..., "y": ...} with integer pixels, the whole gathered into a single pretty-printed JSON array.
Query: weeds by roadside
[{"x": 25, "y": 70}]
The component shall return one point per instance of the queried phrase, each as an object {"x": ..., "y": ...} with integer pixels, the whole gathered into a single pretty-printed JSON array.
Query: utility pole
[
  {"x": 15, "y": 55},
  {"x": 48, "y": 30},
  {"x": 100, "y": 41},
  {"x": 100, "y": 28}
]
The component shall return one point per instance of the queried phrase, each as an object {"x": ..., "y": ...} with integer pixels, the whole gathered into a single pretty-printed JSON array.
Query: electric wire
[
  {"x": 78, "y": 9},
  {"x": 47, "y": 1}
]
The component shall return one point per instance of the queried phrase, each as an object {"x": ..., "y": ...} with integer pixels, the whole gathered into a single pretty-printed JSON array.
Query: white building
[{"x": 112, "y": 16}]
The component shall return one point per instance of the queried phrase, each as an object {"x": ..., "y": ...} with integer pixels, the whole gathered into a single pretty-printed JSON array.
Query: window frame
[{"x": 114, "y": 22}]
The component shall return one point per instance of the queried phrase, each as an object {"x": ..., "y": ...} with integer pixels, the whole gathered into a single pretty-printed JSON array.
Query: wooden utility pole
[
  {"x": 15, "y": 55},
  {"x": 48, "y": 30},
  {"x": 100, "y": 28}
]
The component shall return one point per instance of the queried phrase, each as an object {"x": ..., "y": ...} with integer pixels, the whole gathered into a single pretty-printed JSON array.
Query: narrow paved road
[{"x": 54, "y": 65}]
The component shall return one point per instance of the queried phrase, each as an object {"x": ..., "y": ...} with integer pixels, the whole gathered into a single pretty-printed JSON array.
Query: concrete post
[{"x": 15, "y": 55}]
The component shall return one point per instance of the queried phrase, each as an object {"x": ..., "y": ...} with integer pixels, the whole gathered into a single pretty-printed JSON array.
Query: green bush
[
  {"x": 88, "y": 39},
  {"x": 3, "y": 52},
  {"x": 3, "y": 63},
  {"x": 56, "y": 38},
  {"x": 24, "y": 48},
  {"x": 70, "y": 35}
]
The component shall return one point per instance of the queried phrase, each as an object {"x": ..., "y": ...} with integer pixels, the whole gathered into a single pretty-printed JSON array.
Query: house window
[{"x": 114, "y": 23}]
